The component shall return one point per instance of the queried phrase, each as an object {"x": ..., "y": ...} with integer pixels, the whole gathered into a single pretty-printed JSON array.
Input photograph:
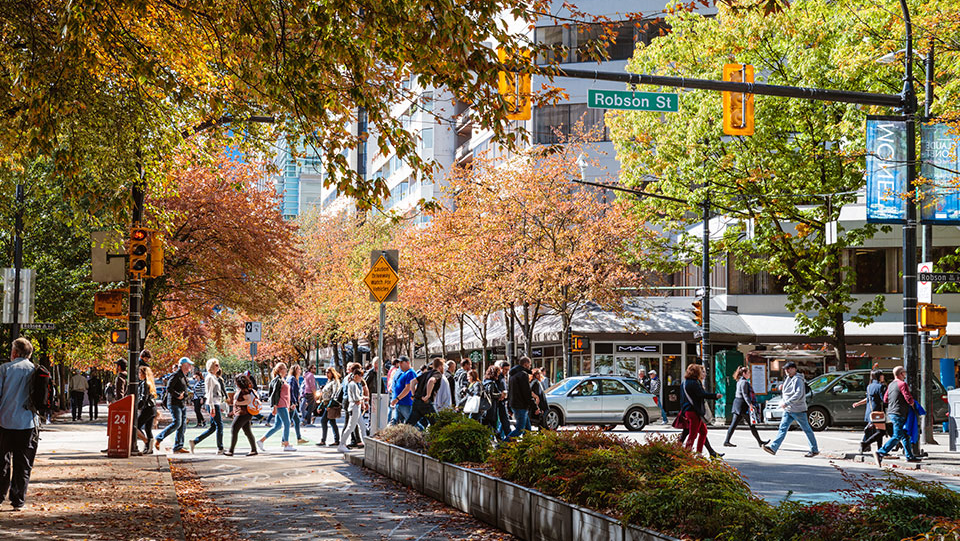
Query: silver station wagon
[{"x": 600, "y": 400}]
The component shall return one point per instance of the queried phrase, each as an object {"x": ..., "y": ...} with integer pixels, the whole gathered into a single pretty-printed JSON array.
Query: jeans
[
  {"x": 899, "y": 434},
  {"x": 307, "y": 407},
  {"x": 404, "y": 411},
  {"x": 790, "y": 417},
  {"x": 283, "y": 418},
  {"x": 420, "y": 411},
  {"x": 76, "y": 404},
  {"x": 216, "y": 425},
  {"x": 179, "y": 424},
  {"x": 663, "y": 412},
  {"x": 295, "y": 420},
  {"x": 242, "y": 422},
  {"x": 523, "y": 423},
  {"x": 504, "y": 419},
  {"x": 698, "y": 431},
  {"x": 198, "y": 409},
  {"x": 18, "y": 448},
  {"x": 94, "y": 407},
  {"x": 325, "y": 422}
]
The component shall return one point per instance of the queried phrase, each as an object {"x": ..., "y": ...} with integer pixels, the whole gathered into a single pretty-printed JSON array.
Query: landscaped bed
[{"x": 661, "y": 486}]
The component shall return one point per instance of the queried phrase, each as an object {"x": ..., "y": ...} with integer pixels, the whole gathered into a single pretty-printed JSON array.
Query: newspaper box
[{"x": 120, "y": 427}]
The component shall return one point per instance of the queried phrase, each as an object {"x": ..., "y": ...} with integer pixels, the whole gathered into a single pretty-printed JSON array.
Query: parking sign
[{"x": 252, "y": 331}]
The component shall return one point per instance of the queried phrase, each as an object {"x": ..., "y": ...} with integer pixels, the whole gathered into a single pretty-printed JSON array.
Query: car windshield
[
  {"x": 634, "y": 385},
  {"x": 564, "y": 386},
  {"x": 819, "y": 383}
]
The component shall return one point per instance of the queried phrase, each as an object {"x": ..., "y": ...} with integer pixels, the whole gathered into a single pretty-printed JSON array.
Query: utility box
[
  {"x": 953, "y": 410},
  {"x": 120, "y": 427},
  {"x": 726, "y": 363}
]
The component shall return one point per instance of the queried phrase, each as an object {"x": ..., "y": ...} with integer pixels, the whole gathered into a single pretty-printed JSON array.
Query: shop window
[{"x": 672, "y": 370}]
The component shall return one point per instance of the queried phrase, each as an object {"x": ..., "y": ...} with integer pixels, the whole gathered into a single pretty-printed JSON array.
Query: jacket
[
  {"x": 145, "y": 403},
  {"x": 214, "y": 393},
  {"x": 519, "y": 392},
  {"x": 15, "y": 379},
  {"x": 898, "y": 398},
  {"x": 178, "y": 384},
  {"x": 794, "y": 393},
  {"x": 692, "y": 397},
  {"x": 275, "y": 388}
]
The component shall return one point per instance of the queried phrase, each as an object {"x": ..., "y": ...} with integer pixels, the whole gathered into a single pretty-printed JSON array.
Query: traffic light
[
  {"x": 155, "y": 267},
  {"x": 139, "y": 251},
  {"x": 579, "y": 344},
  {"x": 698, "y": 312},
  {"x": 738, "y": 106},
  {"x": 118, "y": 336},
  {"x": 514, "y": 86}
]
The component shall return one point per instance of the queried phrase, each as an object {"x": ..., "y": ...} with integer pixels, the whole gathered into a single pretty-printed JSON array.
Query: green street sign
[{"x": 633, "y": 101}]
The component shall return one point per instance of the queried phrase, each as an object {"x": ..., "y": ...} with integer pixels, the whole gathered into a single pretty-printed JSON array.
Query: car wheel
[
  {"x": 553, "y": 419},
  {"x": 635, "y": 419},
  {"x": 818, "y": 418}
]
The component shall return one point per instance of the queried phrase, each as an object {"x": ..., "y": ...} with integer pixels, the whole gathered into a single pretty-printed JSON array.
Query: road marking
[
  {"x": 428, "y": 532},
  {"x": 339, "y": 526},
  {"x": 397, "y": 527}
]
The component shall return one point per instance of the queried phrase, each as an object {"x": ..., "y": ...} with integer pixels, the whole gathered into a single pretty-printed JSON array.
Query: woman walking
[
  {"x": 280, "y": 402},
  {"x": 473, "y": 388},
  {"x": 355, "y": 394},
  {"x": 329, "y": 406},
  {"x": 491, "y": 389},
  {"x": 537, "y": 388},
  {"x": 146, "y": 407},
  {"x": 293, "y": 380},
  {"x": 215, "y": 396},
  {"x": 243, "y": 401},
  {"x": 875, "y": 429},
  {"x": 744, "y": 404},
  {"x": 692, "y": 407}
]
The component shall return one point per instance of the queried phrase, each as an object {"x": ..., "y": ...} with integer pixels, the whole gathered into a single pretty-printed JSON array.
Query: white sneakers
[
  {"x": 342, "y": 449},
  {"x": 289, "y": 448},
  {"x": 260, "y": 446}
]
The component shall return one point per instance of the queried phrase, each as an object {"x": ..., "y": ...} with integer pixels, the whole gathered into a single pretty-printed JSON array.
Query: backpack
[
  {"x": 422, "y": 381},
  {"x": 42, "y": 395}
]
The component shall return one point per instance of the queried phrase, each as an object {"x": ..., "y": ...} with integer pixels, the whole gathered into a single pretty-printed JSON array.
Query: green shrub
[
  {"x": 445, "y": 417},
  {"x": 403, "y": 435},
  {"x": 462, "y": 440}
]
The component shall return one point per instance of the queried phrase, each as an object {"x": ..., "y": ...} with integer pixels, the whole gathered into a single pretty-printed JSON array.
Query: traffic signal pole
[
  {"x": 136, "y": 287},
  {"x": 705, "y": 307},
  {"x": 17, "y": 263}
]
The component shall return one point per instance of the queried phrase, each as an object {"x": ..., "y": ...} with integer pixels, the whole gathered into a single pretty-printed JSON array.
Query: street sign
[
  {"x": 110, "y": 304},
  {"x": 924, "y": 287},
  {"x": 382, "y": 278},
  {"x": 251, "y": 330},
  {"x": 26, "y": 298},
  {"x": 38, "y": 326},
  {"x": 939, "y": 277},
  {"x": 632, "y": 101}
]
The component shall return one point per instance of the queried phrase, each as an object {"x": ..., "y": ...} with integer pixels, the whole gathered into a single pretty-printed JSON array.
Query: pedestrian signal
[
  {"x": 738, "y": 106},
  {"x": 118, "y": 336},
  {"x": 579, "y": 344}
]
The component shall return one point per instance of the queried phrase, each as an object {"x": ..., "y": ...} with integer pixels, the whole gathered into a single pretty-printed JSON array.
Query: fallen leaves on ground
[{"x": 202, "y": 518}]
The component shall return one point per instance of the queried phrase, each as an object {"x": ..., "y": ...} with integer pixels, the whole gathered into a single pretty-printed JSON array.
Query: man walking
[
  {"x": 522, "y": 400},
  {"x": 644, "y": 380},
  {"x": 460, "y": 376},
  {"x": 308, "y": 402},
  {"x": 794, "y": 397},
  {"x": 177, "y": 391},
  {"x": 425, "y": 389},
  {"x": 18, "y": 427},
  {"x": 655, "y": 390},
  {"x": 899, "y": 402},
  {"x": 78, "y": 389},
  {"x": 502, "y": 416},
  {"x": 94, "y": 392},
  {"x": 403, "y": 386}
]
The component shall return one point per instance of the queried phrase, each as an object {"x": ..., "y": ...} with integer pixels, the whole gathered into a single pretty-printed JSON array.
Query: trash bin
[
  {"x": 953, "y": 410},
  {"x": 120, "y": 427}
]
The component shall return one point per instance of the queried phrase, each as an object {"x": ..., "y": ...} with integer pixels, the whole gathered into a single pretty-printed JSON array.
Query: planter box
[
  {"x": 433, "y": 478},
  {"x": 589, "y": 525},
  {"x": 513, "y": 504},
  {"x": 370, "y": 450},
  {"x": 552, "y": 519},
  {"x": 636, "y": 533},
  {"x": 483, "y": 497},
  {"x": 456, "y": 481},
  {"x": 413, "y": 470},
  {"x": 396, "y": 463},
  {"x": 383, "y": 459}
]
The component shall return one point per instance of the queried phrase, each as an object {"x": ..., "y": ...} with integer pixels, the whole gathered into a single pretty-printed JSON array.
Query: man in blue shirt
[
  {"x": 18, "y": 429},
  {"x": 401, "y": 393}
]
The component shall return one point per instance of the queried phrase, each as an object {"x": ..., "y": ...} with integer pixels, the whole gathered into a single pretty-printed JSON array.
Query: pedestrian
[
  {"x": 444, "y": 398},
  {"x": 461, "y": 379},
  {"x": 491, "y": 389},
  {"x": 537, "y": 387},
  {"x": 874, "y": 416},
  {"x": 402, "y": 391},
  {"x": 344, "y": 399},
  {"x": 94, "y": 393},
  {"x": 370, "y": 376},
  {"x": 199, "y": 394},
  {"x": 243, "y": 401},
  {"x": 502, "y": 417},
  {"x": 355, "y": 393},
  {"x": 293, "y": 380},
  {"x": 425, "y": 388},
  {"x": 644, "y": 380},
  {"x": 215, "y": 398},
  {"x": 450, "y": 374},
  {"x": 120, "y": 381},
  {"x": 899, "y": 403},
  {"x": 693, "y": 407},
  {"x": 391, "y": 408},
  {"x": 146, "y": 407},
  {"x": 745, "y": 406},
  {"x": 78, "y": 389},
  {"x": 279, "y": 391},
  {"x": 473, "y": 388},
  {"x": 655, "y": 386},
  {"x": 522, "y": 400},
  {"x": 177, "y": 389},
  {"x": 108, "y": 392},
  {"x": 331, "y": 408},
  {"x": 308, "y": 401},
  {"x": 19, "y": 430},
  {"x": 793, "y": 392}
]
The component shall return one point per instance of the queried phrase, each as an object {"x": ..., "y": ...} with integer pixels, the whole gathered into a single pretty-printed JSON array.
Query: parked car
[
  {"x": 599, "y": 399},
  {"x": 830, "y": 399}
]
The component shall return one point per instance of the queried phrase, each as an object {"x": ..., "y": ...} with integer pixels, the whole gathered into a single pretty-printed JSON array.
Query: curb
[
  {"x": 163, "y": 466},
  {"x": 920, "y": 466}
]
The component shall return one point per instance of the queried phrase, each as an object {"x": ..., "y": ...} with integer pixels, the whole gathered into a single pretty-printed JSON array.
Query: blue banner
[
  {"x": 940, "y": 190},
  {"x": 886, "y": 170}
]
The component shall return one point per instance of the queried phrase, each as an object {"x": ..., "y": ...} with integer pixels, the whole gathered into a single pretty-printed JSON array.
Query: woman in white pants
[{"x": 355, "y": 394}]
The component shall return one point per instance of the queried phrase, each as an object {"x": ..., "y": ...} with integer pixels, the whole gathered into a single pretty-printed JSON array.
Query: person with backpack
[
  {"x": 245, "y": 405},
  {"x": 279, "y": 391},
  {"x": 425, "y": 389},
  {"x": 21, "y": 392},
  {"x": 78, "y": 389},
  {"x": 146, "y": 407},
  {"x": 94, "y": 393}
]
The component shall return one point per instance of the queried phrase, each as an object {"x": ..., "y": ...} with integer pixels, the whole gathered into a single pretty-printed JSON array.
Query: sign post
[
  {"x": 382, "y": 281},
  {"x": 252, "y": 333}
]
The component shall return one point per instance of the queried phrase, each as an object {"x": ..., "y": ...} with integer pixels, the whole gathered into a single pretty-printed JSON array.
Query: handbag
[
  {"x": 472, "y": 405},
  {"x": 333, "y": 412},
  {"x": 878, "y": 418},
  {"x": 253, "y": 408}
]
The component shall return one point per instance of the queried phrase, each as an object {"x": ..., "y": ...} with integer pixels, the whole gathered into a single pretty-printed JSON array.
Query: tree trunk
[
  {"x": 357, "y": 358},
  {"x": 463, "y": 352},
  {"x": 840, "y": 340},
  {"x": 443, "y": 338},
  {"x": 336, "y": 357},
  {"x": 510, "y": 347},
  {"x": 565, "y": 339}
]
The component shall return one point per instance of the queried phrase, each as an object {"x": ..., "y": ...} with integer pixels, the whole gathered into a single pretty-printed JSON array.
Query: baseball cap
[
  {"x": 184, "y": 360},
  {"x": 790, "y": 364}
]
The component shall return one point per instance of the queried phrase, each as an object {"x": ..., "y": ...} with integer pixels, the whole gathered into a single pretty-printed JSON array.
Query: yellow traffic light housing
[
  {"x": 738, "y": 106},
  {"x": 155, "y": 260},
  {"x": 139, "y": 251},
  {"x": 698, "y": 312},
  {"x": 932, "y": 317},
  {"x": 514, "y": 87},
  {"x": 118, "y": 336}
]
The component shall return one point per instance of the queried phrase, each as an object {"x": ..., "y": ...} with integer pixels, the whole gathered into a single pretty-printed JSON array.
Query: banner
[
  {"x": 886, "y": 170},
  {"x": 941, "y": 191}
]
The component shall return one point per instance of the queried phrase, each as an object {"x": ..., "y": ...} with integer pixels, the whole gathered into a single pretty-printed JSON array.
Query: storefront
[{"x": 669, "y": 359}]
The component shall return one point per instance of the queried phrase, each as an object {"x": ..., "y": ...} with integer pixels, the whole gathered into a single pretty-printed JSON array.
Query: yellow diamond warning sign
[{"x": 381, "y": 280}]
